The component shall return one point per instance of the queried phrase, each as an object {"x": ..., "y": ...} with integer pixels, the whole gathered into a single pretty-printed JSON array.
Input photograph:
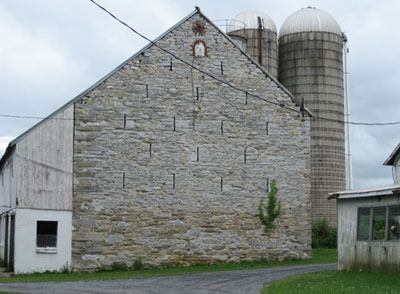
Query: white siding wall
[
  {"x": 44, "y": 164},
  {"x": 396, "y": 174},
  {"x": 7, "y": 196},
  {"x": 365, "y": 255},
  {"x": 26, "y": 257},
  {"x": 2, "y": 235}
]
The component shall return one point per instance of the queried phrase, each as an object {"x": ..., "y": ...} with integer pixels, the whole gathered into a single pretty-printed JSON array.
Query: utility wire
[
  {"x": 121, "y": 119},
  {"x": 188, "y": 63},
  {"x": 207, "y": 74},
  {"x": 226, "y": 83}
]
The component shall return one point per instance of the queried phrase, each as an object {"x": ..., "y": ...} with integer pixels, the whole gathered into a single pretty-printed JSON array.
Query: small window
[
  {"x": 199, "y": 49},
  {"x": 379, "y": 223},
  {"x": 46, "y": 234},
  {"x": 394, "y": 223},
  {"x": 364, "y": 218}
]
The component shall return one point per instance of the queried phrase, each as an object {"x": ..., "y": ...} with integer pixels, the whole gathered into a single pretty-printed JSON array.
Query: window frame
[
  {"x": 46, "y": 249},
  {"x": 372, "y": 213}
]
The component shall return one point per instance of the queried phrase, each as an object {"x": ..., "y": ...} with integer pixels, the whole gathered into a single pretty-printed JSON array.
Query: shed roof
[
  {"x": 391, "y": 160},
  {"x": 367, "y": 192}
]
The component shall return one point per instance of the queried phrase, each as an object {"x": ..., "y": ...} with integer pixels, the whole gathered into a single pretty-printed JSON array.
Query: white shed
[{"x": 369, "y": 229}]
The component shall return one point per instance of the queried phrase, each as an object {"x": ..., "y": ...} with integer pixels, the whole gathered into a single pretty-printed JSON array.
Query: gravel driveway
[{"x": 246, "y": 281}]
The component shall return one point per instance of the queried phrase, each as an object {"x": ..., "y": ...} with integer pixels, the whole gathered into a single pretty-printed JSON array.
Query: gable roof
[
  {"x": 391, "y": 160},
  {"x": 76, "y": 98}
]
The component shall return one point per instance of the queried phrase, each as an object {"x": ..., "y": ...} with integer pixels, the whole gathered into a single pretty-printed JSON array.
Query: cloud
[{"x": 31, "y": 59}]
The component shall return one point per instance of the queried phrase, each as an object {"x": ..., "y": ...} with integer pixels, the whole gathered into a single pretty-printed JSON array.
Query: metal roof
[
  {"x": 249, "y": 20},
  {"x": 391, "y": 160},
  {"x": 310, "y": 19},
  {"x": 368, "y": 192}
]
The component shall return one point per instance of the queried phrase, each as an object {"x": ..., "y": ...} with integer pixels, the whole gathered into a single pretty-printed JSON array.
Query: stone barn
[{"x": 165, "y": 160}]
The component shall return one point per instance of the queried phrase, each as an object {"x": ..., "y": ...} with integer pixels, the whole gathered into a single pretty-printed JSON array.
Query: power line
[
  {"x": 224, "y": 82},
  {"x": 121, "y": 119},
  {"x": 358, "y": 123},
  {"x": 205, "y": 73},
  {"x": 187, "y": 63}
]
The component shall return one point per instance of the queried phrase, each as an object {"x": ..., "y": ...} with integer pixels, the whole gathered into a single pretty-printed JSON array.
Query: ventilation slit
[{"x": 150, "y": 150}]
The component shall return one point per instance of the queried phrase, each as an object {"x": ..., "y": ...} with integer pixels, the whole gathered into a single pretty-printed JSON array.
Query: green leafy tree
[{"x": 273, "y": 208}]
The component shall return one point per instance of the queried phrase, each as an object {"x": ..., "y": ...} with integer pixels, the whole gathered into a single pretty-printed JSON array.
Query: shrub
[
  {"x": 137, "y": 264},
  {"x": 323, "y": 235},
  {"x": 119, "y": 267}
]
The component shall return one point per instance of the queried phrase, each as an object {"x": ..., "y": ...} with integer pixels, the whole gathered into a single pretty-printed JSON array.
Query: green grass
[
  {"x": 319, "y": 256},
  {"x": 338, "y": 282}
]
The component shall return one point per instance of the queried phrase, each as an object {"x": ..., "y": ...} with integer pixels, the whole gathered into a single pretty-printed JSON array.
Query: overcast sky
[{"x": 52, "y": 50}]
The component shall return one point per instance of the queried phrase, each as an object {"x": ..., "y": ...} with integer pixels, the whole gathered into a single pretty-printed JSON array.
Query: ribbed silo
[
  {"x": 256, "y": 34},
  {"x": 311, "y": 67}
]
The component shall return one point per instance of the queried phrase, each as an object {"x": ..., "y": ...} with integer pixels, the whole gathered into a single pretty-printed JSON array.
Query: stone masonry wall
[{"x": 170, "y": 164}]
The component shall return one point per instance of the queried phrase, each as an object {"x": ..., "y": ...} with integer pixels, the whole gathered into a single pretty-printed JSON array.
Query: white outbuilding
[{"x": 369, "y": 225}]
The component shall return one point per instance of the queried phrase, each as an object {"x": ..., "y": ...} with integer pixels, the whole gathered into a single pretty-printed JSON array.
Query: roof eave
[
  {"x": 365, "y": 194},
  {"x": 6, "y": 155},
  {"x": 83, "y": 93},
  {"x": 393, "y": 156}
]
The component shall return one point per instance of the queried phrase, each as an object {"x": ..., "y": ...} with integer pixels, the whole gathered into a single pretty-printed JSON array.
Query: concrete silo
[
  {"x": 311, "y": 67},
  {"x": 256, "y": 34}
]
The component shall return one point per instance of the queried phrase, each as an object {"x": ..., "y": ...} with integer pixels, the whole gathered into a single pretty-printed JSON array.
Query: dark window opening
[
  {"x": 46, "y": 234},
  {"x": 364, "y": 220},
  {"x": 394, "y": 223},
  {"x": 379, "y": 223}
]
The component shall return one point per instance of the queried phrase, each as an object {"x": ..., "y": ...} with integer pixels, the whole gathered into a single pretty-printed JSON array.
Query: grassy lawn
[
  {"x": 319, "y": 256},
  {"x": 338, "y": 282}
]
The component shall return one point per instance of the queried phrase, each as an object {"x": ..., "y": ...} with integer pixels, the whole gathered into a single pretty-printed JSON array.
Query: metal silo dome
[
  {"x": 249, "y": 20},
  {"x": 310, "y": 19},
  {"x": 255, "y": 33}
]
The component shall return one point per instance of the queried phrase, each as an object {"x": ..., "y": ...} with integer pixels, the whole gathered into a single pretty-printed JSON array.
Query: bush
[
  {"x": 119, "y": 267},
  {"x": 137, "y": 264},
  {"x": 323, "y": 236}
]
